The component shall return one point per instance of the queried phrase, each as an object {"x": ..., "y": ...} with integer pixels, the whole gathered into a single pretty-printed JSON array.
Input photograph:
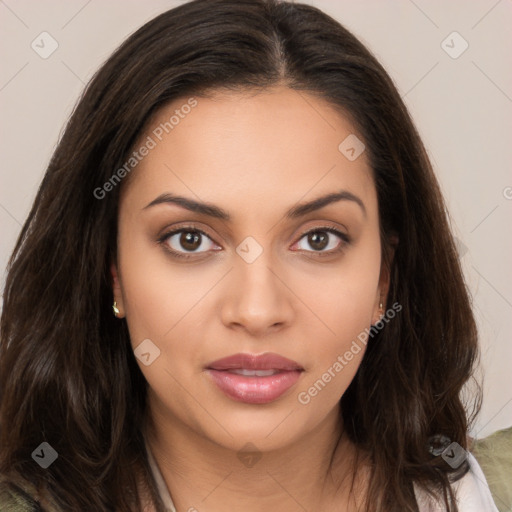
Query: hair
[{"x": 68, "y": 375}]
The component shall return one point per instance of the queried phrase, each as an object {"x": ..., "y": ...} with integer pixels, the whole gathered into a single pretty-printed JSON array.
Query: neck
[{"x": 312, "y": 473}]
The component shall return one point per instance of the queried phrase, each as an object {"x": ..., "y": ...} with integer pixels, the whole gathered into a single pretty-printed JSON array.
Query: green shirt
[{"x": 494, "y": 454}]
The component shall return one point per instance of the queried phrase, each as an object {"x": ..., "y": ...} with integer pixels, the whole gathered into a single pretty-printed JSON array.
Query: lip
[
  {"x": 254, "y": 389},
  {"x": 267, "y": 361}
]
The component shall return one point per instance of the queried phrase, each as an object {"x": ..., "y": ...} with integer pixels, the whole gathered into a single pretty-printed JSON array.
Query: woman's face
[{"x": 243, "y": 277}]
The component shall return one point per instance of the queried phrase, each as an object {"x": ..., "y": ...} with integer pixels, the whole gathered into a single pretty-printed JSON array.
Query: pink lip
[
  {"x": 254, "y": 389},
  {"x": 266, "y": 361}
]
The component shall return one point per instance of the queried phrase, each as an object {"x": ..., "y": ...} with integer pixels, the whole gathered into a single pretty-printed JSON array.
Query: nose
[{"x": 257, "y": 299}]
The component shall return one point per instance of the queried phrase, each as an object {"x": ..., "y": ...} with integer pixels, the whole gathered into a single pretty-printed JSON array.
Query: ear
[
  {"x": 384, "y": 281},
  {"x": 116, "y": 289}
]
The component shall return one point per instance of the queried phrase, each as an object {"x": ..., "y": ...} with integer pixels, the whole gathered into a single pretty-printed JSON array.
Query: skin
[{"x": 255, "y": 156}]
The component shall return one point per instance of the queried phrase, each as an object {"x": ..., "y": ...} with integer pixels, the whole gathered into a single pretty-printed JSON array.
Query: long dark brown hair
[{"x": 68, "y": 375}]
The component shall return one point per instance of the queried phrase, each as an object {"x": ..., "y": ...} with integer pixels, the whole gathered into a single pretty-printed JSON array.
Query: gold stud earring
[
  {"x": 381, "y": 310},
  {"x": 116, "y": 309}
]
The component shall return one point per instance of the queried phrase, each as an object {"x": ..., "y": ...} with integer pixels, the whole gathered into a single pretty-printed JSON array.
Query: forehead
[{"x": 276, "y": 145}]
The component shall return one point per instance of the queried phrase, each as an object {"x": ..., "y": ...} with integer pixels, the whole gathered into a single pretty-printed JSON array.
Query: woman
[{"x": 237, "y": 288}]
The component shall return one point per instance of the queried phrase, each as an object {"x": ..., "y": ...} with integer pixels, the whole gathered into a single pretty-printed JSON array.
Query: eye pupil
[
  {"x": 318, "y": 240},
  {"x": 189, "y": 240}
]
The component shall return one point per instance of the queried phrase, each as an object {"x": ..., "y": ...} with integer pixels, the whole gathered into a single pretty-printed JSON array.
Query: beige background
[{"x": 462, "y": 107}]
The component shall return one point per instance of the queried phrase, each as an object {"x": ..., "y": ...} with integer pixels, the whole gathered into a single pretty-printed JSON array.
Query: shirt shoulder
[
  {"x": 472, "y": 492},
  {"x": 14, "y": 499},
  {"x": 494, "y": 454}
]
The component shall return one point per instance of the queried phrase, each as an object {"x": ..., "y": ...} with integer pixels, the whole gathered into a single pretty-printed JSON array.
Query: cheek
[
  {"x": 156, "y": 298},
  {"x": 161, "y": 306},
  {"x": 167, "y": 304},
  {"x": 343, "y": 302},
  {"x": 341, "y": 297}
]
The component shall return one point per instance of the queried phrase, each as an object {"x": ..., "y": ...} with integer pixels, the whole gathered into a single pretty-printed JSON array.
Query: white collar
[{"x": 160, "y": 482}]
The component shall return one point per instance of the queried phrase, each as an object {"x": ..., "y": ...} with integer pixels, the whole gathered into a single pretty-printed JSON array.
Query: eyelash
[{"x": 345, "y": 240}]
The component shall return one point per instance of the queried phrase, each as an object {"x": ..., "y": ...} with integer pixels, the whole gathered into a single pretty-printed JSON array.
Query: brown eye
[
  {"x": 323, "y": 241},
  {"x": 185, "y": 242}
]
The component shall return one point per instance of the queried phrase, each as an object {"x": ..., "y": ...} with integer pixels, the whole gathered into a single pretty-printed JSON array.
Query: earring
[{"x": 116, "y": 309}]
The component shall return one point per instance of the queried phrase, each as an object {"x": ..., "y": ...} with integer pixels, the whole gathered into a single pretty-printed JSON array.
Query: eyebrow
[{"x": 297, "y": 211}]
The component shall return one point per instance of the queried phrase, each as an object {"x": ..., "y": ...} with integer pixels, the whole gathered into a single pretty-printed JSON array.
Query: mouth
[{"x": 254, "y": 379}]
